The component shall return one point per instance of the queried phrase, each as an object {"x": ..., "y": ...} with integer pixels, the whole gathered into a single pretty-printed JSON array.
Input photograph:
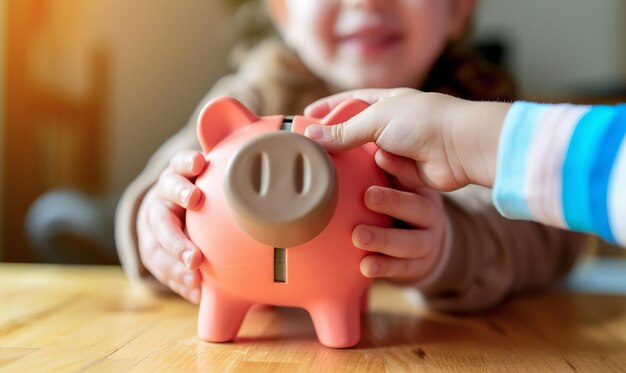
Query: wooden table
[{"x": 65, "y": 318}]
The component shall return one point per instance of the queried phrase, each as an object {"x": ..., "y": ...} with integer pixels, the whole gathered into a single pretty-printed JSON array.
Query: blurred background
[{"x": 90, "y": 88}]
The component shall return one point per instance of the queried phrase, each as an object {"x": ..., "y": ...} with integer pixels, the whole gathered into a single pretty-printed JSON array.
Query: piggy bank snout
[{"x": 281, "y": 188}]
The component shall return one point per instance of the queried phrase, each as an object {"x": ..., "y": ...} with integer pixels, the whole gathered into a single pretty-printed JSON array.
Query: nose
[{"x": 282, "y": 189}]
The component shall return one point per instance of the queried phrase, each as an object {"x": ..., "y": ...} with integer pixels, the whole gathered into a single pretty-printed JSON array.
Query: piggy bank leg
[
  {"x": 220, "y": 315},
  {"x": 337, "y": 322}
]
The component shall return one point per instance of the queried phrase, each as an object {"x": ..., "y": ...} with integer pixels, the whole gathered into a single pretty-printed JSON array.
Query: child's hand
[
  {"x": 409, "y": 255},
  {"x": 164, "y": 248},
  {"x": 452, "y": 141}
]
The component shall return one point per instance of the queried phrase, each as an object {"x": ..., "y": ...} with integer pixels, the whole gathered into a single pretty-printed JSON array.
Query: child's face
[{"x": 370, "y": 43}]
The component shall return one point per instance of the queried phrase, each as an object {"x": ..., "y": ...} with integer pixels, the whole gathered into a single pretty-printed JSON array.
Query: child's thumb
[{"x": 342, "y": 136}]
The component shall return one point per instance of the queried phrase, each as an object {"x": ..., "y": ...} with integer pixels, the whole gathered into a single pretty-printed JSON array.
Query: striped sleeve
[{"x": 565, "y": 166}]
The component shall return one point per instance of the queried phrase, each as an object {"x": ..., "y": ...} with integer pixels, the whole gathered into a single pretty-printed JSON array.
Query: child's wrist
[{"x": 479, "y": 126}]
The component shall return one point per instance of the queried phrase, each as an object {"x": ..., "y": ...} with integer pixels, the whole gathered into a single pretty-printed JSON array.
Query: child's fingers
[
  {"x": 163, "y": 266},
  {"x": 367, "y": 126},
  {"x": 379, "y": 266},
  {"x": 172, "y": 273},
  {"x": 176, "y": 276},
  {"x": 362, "y": 128},
  {"x": 343, "y": 136},
  {"x": 399, "y": 243},
  {"x": 178, "y": 189},
  {"x": 403, "y": 169},
  {"x": 166, "y": 226},
  {"x": 416, "y": 209},
  {"x": 188, "y": 163},
  {"x": 325, "y": 105}
]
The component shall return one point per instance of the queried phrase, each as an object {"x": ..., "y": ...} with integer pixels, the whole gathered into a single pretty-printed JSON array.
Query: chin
[{"x": 373, "y": 80}]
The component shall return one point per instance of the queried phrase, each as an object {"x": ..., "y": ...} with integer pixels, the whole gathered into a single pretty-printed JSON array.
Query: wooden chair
[{"x": 54, "y": 137}]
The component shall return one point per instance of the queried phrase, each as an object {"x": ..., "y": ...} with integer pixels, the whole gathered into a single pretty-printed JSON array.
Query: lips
[{"x": 371, "y": 39}]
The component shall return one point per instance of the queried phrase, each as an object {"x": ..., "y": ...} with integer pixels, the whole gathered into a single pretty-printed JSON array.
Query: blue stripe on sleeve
[
  {"x": 616, "y": 197},
  {"x": 601, "y": 172},
  {"x": 581, "y": 153},
  {"x": 511, "y": 171}
]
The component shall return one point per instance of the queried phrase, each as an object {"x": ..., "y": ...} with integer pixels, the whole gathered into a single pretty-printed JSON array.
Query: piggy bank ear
[
  {"x": 221, "y": 117},
  {"x": 344, "y": 111}
]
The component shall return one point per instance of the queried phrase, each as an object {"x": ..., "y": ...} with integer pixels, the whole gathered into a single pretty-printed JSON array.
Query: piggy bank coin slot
[
  {"x": 280, "y": 265},
  {"x": 287, "y": 124}
]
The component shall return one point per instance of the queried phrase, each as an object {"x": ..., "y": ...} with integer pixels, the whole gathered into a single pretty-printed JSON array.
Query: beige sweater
[{"x": 487, "y": 257}]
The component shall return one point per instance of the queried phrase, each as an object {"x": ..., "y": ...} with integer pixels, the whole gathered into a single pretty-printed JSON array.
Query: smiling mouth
[{"x": 371, "y": 41}]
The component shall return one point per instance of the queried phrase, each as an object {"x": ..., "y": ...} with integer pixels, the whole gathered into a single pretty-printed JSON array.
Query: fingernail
[
  {"x": 187, "y": 255},
  {"x": 194, "y": 295},
  {"x": 374, "y": 269},
  {"x": 188, "y": 280},
  {"x": 189, "y": 162},
  {"x": 365, "y": 236},
  {"x": 376, "y": 196},
  {"x": 314, "y": 132},
  {"x": 184, "y": 195}
]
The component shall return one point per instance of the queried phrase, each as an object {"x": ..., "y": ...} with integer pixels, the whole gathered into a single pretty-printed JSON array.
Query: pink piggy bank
[{"x": 276, "y": 219}]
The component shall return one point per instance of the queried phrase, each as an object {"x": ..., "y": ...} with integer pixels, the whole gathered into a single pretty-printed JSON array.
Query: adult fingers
[{"x": 399, "y": 243}]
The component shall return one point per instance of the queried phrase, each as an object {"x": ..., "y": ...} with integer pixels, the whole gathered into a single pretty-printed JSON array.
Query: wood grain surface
[{"x": 92, "y": 319}]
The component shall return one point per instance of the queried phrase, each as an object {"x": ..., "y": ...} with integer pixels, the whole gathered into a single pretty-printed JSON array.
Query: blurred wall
[
  {"x": 559, "y": 45},
  {"x": 164, "y": 56},
  {"x": 95, "y": 87},
  {"x": 2, "y": 33}
]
